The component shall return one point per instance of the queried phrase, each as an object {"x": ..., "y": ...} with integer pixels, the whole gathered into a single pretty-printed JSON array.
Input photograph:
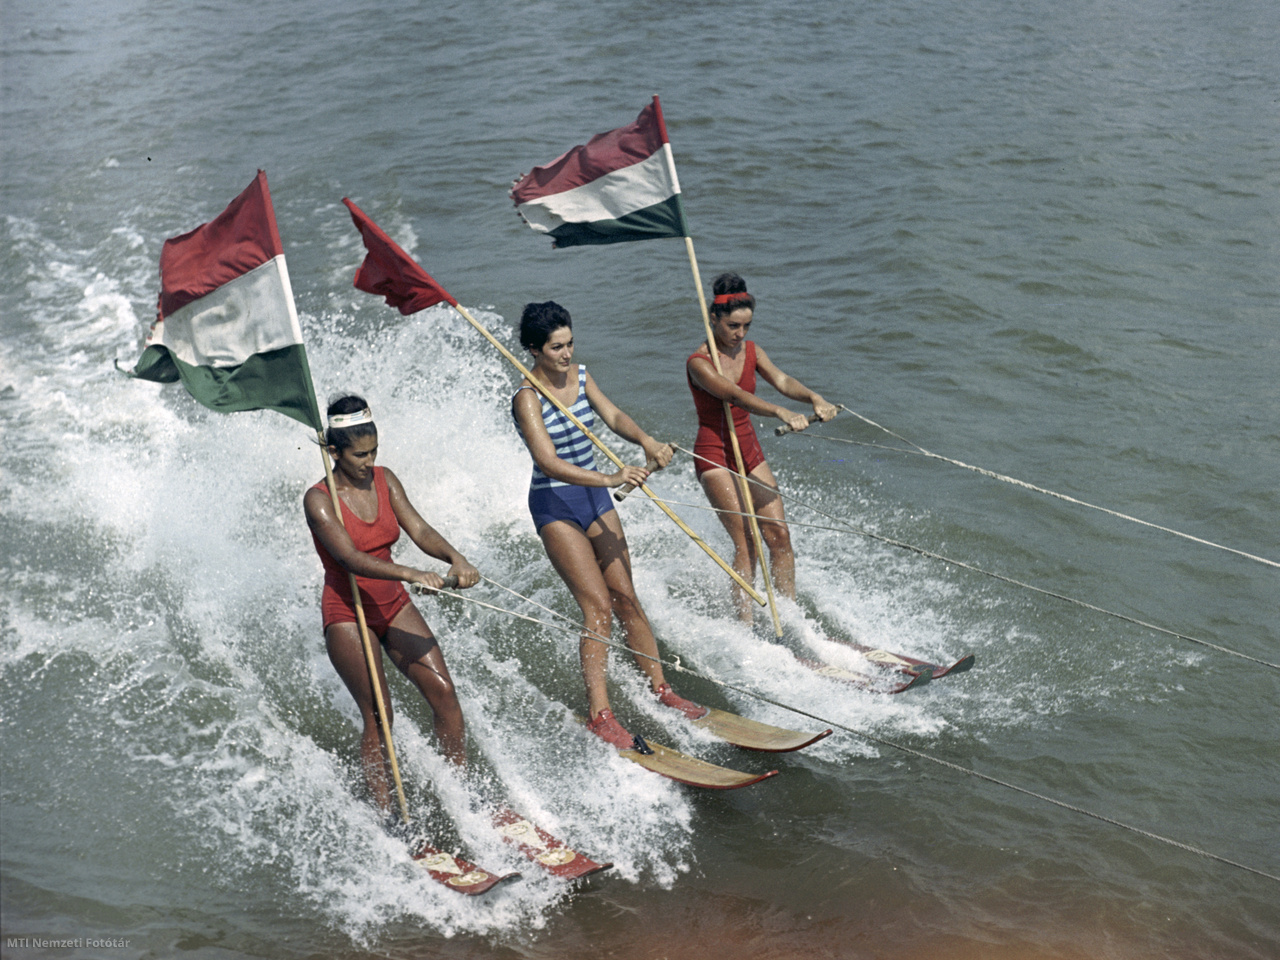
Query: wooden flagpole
[
  {"x": 466, "y": 315},
  {"x": 370, "y": 656},
  {"x": 744, "y": 484}
]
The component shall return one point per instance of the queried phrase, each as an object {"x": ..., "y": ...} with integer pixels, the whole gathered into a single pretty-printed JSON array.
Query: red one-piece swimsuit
[
  {"x": 713, "y": 441},
  {"x": 381, "y": 599}
]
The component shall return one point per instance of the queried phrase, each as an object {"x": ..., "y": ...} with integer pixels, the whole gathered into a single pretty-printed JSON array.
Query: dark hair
[
  {"x": 731, "y": 285},
  {"x": 343, "y": 437},
  {"x": 539, "y": 321}
]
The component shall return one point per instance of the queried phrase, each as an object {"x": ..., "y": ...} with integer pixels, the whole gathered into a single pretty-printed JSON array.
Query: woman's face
[
  {"x": 731, "y": 329},
  {"x": 557, "y": 353},
  {"x": 356, "y": 461}
]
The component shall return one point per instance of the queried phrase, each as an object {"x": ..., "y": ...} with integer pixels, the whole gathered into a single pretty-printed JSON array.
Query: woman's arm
[
  {"x": 427, "y": 538},
  {"x": 789, "y": 386},
  {"x": 703, "y": 373},
  {"x": 622, "y": 424},
  {"x": 528, "y": 411},
  {"x": 333, "y": 536}
]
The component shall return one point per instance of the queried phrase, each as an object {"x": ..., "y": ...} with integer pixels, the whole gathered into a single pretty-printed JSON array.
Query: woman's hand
[
  {"x": 632, "y": 475},
  {"x": 424, "y": 581},
  {"x": 796, "y": 421},
  {"x": 660, "y": 453},
  {"x": 824, "y": 411},
  {"x": 468, "y": 576}
]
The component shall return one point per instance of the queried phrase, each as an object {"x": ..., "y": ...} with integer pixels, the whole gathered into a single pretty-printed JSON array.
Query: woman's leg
[
  {"x": 346, "y": 653},
  {"x": 722, "y": 490},
  {"x": 609, "y": 544},
  {"x": 415, "y": 652},
  {"x": 774, "y": 531},
  {"x": 574, "y": 559}
]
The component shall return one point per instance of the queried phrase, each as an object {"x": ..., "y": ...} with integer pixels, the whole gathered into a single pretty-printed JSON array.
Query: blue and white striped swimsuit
[
  {"x": 550, "y": 499},
  {"x": 572, "y": 445}
]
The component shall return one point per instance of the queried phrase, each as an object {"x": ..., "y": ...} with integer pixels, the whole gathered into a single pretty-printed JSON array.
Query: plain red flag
[{"x": 390, "y": 272}]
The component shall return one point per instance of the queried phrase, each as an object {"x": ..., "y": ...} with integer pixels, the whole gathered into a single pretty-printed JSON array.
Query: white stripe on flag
[
  {"x": 670, "y": 160},
  {"x": 610, "y": 197},
  {"x": 251, "y": 314}
]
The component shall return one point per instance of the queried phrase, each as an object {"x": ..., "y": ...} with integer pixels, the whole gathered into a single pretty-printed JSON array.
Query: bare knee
[
  {"x": 444, "y": 701},
  {"x": 435, "y": 685},
  {"x": 447, "y": 694},
  {"x": 372, "y": 725},
  {"x": 777, "y": 536},
  {"x": 625, "y": 606},
  {"x": 597, "y": 611}
]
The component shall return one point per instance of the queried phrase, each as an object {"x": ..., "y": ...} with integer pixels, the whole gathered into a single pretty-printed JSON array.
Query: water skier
[
  {"x": 574, "y": 515},
  {"x": 374, "y": 511},
  {"x": 731, "y": 312}
]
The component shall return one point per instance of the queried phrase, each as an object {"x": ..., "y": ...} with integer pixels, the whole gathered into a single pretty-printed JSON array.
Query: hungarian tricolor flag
[
  {"x": 619, "y": 186},
  {"x": 227, "y": 326},
  {"x": 390, "y": 272}
]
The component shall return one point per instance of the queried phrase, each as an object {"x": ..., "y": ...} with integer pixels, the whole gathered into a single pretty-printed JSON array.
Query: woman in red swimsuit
[
  {"x": 740, "y": 359},
  {"x": 374, "y": 510}
]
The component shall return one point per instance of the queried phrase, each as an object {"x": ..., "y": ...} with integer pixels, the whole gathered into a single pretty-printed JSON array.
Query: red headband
[{"x": 726, "y": 297}]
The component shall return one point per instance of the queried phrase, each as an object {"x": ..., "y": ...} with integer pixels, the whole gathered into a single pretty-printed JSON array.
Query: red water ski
[
  {"x": 458, "y": 874},
  {"x": 542, "y": 848}
]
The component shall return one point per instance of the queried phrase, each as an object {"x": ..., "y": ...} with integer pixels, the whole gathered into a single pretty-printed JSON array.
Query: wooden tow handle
[
  {"x": 784, "y": 429},
  {"x": 450, "y": 583},
  {"x": 621, "y": 493}
]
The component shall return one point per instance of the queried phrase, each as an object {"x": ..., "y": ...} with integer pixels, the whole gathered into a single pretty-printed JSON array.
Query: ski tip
[
  {"x": 917, "y": 680},
  {"x": 937, "y": 672},
  {"x": 753, "y": 735},
  {"x": 596, "y": 869},
  {"x": 548, "y": 852},
  {"x": 745, "y": 781},
  {"x": 457, "y": 874},
  {"x": 792, "y": 747},
  {"x": 930, "y": 671}
]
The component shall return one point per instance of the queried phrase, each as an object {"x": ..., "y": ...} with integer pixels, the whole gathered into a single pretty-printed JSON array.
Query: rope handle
[
  {"x": 784, "y": 429},
  {"x": 450, "y": 583},
  {"x": 621, "y": 493}
]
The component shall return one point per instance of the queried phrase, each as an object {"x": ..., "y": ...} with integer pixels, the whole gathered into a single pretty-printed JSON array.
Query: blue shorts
[{"x": 580, "y": 505}]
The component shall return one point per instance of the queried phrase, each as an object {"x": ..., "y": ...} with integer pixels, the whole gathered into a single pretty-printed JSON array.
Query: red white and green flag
[
  {"x": 619, "y": 186},
  {"x": 227, "y": 326}
]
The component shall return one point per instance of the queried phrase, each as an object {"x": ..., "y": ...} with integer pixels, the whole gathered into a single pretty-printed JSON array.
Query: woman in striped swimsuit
[{"x": 574, "y": 514}]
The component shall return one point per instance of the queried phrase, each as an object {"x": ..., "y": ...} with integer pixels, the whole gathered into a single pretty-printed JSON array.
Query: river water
[{"x": 1037, "y": 237}]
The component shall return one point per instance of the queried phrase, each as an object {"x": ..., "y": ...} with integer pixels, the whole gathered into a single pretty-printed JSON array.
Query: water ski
[
  {"x": 456, "y": 873},
  {"x": 542, "y": 848},
  {"x": 683, "y": 768},
  {"x": 905, "y": 664},
  {"x": 753, "y": 735},
  {"x": 864, "y": 680}
]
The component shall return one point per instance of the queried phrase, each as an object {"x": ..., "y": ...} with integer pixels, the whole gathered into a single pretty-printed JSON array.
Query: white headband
[{"x": 351, "y": 419}]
